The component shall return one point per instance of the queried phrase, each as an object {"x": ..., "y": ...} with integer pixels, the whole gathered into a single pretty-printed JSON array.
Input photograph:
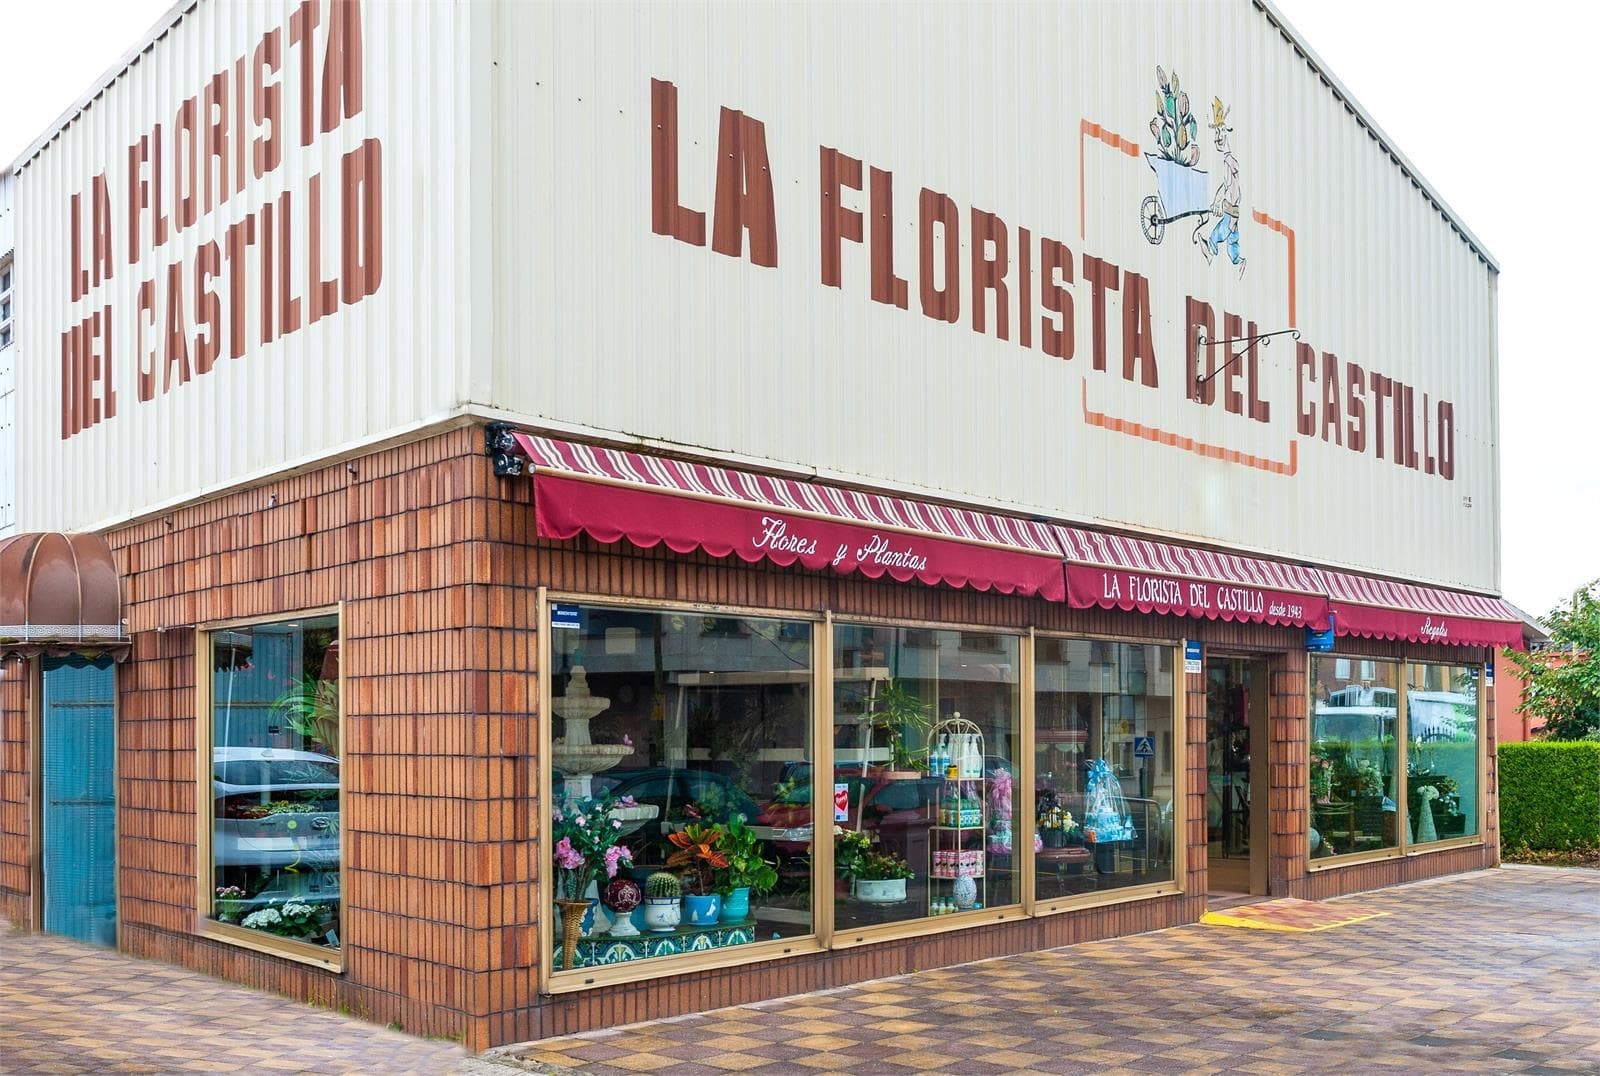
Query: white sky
[{"x": 1491, "y": 102}]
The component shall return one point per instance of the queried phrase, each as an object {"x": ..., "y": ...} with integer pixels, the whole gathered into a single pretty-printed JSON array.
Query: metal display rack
[{"x": 958, "y": 838}]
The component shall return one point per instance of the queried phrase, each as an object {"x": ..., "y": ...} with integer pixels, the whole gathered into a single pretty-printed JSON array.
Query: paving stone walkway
[
  {"x": 1497, "y": 971},
  {"x": 67, "y": 1007}
]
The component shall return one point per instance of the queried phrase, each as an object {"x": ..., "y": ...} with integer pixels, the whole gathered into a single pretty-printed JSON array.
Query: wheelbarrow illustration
[{"x": 1181, "y": 191}]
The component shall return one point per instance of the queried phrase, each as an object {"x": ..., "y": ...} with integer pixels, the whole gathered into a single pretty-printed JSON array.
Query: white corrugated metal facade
[
  {"x": 376, "y": 364},
  {"x": 8, "y": 369},
  {"x": 525, "y": 275}
]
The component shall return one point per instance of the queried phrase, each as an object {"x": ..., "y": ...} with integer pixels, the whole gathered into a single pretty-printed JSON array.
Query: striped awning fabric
[
  {"x": 1115, "y": 571},
  {"x": 612, "y": 494},
  {"x": 1387, "y": 609}
]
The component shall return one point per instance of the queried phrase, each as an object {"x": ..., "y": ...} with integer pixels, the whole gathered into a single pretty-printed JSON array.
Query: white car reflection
[{"x": 274, "y": 808}]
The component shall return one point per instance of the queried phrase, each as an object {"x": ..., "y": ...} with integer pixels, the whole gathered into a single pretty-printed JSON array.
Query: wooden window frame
[
  {"x": 1180, "y": 788},
  {"x": 231, "y": 934}
]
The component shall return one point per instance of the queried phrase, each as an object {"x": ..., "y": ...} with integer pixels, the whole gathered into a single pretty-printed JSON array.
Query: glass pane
[
  {"x": 275, "y": 778},
  {"x": 1354, "y": 756},
  {"x": 925, "y": 735},
  {"x": 1442, "y": 752},
  {"x": 1104, "y": 766},
  {"x": 682, "y": 816}
]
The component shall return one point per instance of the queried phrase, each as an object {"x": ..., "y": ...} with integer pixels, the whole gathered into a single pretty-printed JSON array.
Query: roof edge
[
  {"x": 180, "y": 8},
  {"x": 1382, "y": 137},
  {"x": 159, "y": 29}
]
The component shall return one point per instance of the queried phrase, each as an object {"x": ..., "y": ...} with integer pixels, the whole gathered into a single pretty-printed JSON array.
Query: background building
[{"x": 1081, "y": 486}]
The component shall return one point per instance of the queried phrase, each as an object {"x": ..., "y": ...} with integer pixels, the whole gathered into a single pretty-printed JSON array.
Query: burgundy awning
[
  {"x": 1112, "y": 571},
  {"x": 611, "y": 494},
  {"x": 59, "y": 594},
  {"x": 1385, "y": 609}
]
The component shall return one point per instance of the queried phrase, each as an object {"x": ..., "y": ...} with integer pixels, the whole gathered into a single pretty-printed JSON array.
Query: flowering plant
[
  {"x": 230, "y": 902},
  {"x": 585, "y": 837},
  {"x": 291, "y": 920}
]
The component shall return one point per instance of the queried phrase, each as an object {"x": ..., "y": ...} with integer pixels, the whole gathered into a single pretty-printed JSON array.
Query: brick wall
[
  {"x": 16, "y": 772},
  {"x": 436, "y": 565},
  {"x": 437, "y": 760}
]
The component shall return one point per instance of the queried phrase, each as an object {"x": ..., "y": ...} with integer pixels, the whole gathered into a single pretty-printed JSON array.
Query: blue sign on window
[
  {"x": 1191, "y": 656},
  {"x": 564, "y": 616},
  {"x": 1144, "y": 746},
  {"x": 1320, "y": 642}
]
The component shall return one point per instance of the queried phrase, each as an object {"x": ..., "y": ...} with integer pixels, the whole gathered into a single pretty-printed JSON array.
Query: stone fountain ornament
[{"x": 575, "y": 756}]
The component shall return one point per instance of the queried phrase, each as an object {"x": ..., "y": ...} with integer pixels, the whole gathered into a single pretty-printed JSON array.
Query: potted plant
[
  {"x": 876, "y": 877},
  {"x": 585, "y": 837},
  {"x": 882, "y": 879},
  {"x": 900, "y": 713},
  {"x": 663, "y": 909},
  {"x": 746, "y": 872},
  {"x": 699, "y": 853}
]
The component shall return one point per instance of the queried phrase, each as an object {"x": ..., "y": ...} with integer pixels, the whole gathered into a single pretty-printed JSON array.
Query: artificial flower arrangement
[
  {"x": 586, "y": 845},
  {"x": 1000, "y": 809}
]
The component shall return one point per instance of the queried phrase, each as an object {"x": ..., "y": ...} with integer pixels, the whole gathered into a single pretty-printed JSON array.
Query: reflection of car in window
[
  {"x": 716, "y": 796},
  {"x": 275, "y": 809}
]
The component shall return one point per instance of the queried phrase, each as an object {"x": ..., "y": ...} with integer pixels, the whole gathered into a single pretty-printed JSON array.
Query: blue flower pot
[
  {"x": 736, "y": 905},
  {"x": 703, "y": 911}
]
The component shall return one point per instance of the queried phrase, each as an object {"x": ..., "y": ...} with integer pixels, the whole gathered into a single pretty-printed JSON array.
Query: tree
[{"x": 1563, "y": 680}]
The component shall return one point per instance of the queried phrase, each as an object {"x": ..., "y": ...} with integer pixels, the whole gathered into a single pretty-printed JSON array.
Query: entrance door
[
  {"x": 79, "y": 812},
  {"x": 1236, "y": 755}
]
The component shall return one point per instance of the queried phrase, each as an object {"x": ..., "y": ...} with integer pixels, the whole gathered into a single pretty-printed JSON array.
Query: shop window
[
  {"x": 1354, "y": 757},
  {"x": 925, "y": 771},
  {"x": 1104, "y": 767},
  {"x": 275, "y": 779},
  {"x": 681, "y": 815},
  {"x": 1442, "y": 752}
]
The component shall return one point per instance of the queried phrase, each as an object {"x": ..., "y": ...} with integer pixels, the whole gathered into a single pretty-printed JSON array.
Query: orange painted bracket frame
[
  {"x": 1189, "y": 444},
  {"x": 1288, "y": 233},
  {"x": 1089, "y": 129}
]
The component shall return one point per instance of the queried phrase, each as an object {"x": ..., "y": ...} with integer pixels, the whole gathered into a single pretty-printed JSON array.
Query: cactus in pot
[{"x": 662, "y": 911}]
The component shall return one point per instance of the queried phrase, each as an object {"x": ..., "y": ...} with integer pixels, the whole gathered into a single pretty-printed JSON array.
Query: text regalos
[{"x": 255, "y": 280}]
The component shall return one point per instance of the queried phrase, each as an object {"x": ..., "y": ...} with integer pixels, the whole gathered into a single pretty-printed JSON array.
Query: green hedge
[{"x": 1549, "y": 795}]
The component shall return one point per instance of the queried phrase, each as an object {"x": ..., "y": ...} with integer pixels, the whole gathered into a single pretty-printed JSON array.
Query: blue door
[{"x": 80, "y": 809}]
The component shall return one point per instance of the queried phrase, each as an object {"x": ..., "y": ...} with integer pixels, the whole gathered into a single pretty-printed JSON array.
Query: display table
[{"x": 604, "y": 949}]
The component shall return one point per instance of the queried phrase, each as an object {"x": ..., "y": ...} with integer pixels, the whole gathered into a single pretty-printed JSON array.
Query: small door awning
[
  {"x": 1113, "y": 571},
  {"x": 610, "y": 494},
  {"x": 59, "y": 594},
  {"x": 1387, "y": 609}
]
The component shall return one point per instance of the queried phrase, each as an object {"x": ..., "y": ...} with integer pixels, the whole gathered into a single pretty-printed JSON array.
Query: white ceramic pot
[
  {"x": 880, "y": 890},
  {"x": 662, "y": 914}
]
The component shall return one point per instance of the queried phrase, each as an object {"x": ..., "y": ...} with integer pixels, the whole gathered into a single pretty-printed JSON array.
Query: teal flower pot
[{"x": 736, "y": 906}]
